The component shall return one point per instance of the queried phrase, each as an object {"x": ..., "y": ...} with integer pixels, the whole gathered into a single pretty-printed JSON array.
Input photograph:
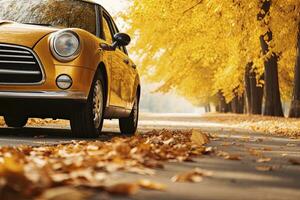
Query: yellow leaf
[
  {"x": 150, "y": 185},
  {"x": 199, "y": 138}
]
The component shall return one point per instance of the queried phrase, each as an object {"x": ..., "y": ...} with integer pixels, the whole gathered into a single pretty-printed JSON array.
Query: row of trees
[{"x": 227, "y": 52}]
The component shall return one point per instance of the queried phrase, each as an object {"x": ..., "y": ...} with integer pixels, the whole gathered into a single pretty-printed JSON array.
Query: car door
[
  {"x": 130, "y": 72},
  {"x": 116, "y": 66}
]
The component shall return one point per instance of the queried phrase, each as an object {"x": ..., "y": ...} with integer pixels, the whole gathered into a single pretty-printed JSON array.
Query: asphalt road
[{"x": 230, "y": 179}]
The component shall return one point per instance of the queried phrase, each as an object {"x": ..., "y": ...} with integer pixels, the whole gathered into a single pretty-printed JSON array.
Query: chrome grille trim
[
  {"x": 12, "y": 51},
  {"x": 23, "y": 53},
  {"x": 14, "y": 56},
  {"x": 5, "y": 71},
  {"x": 17, "y": 62}
]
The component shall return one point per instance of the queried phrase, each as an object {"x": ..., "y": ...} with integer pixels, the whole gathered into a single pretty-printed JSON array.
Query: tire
[
  {"x": 15, "y": 122},
  {"x": 128, "y": 126},
  {"x": 87, "y": 120}
]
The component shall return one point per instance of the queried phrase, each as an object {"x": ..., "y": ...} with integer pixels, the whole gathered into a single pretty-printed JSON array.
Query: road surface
[{"x": 230, "y": 179}]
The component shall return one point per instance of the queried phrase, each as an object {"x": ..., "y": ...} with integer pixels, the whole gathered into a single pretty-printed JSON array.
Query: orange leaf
[
  {"x": 150, "y": 185},
  {"x": 123, "y": 189}
]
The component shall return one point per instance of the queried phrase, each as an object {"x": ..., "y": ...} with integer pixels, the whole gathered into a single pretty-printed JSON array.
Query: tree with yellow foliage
[{"x": 209, "y": 50}]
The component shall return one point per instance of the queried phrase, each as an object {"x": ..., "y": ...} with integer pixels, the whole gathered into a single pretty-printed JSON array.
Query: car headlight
[{"x": 65, "y": 45}]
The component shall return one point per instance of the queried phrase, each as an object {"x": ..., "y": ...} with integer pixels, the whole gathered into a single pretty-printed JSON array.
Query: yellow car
[{"x": 65, "y": 59}]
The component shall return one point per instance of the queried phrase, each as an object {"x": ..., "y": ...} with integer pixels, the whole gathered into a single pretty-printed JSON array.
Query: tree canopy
[{"x": 201, "y": 47}]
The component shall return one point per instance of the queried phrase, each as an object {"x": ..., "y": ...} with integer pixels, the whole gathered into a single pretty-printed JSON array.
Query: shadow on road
[{"x": 33, "y": 133}]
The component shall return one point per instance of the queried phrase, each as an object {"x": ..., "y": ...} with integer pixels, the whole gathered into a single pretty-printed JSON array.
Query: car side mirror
[{"x": 121, "y": 39}]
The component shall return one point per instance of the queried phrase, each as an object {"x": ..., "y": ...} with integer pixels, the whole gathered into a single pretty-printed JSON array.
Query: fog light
[{"x": 64, "y": 81}]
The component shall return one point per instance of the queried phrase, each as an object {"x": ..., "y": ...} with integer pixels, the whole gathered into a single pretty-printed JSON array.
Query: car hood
[{"x": 22, "y": 34}]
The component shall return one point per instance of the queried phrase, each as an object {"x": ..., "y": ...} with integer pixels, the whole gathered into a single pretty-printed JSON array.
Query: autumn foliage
[
  {"x": 201, "y": 48},
  {"x": 28, "y": 172}
]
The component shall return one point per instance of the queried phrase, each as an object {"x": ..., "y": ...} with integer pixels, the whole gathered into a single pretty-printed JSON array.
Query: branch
[{"x": 191, "y": 8}]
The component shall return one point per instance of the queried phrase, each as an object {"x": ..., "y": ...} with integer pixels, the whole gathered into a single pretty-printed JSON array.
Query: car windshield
[{"x": 60, "y": 13}]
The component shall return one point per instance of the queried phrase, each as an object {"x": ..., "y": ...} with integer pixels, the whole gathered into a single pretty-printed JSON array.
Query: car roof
[
  {"x": 92, "y": 1},
  {"x": 98, "y": 3}
]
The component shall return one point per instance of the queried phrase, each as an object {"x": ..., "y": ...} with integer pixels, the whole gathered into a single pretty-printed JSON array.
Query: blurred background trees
[{"x": 240, "y": 55}]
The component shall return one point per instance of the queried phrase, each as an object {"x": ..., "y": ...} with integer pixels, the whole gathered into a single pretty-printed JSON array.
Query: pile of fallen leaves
[
  {"x": 32, "y": 172},
  {"x": 272, "y": 125}
]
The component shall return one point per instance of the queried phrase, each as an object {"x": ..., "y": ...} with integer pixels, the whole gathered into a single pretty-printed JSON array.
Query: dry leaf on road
[
  {"x": 294, "y": 161},
  {"x": 235, "y": 157},
  {"x": 64, "y": 193},
  {"x": 291, "y": 145},
  {"x": 264, "y": 168},
  {"x": 194, "y": 176},
  {"x": 255, "y": 152},
  {"x": 30, "y": 171},
  {"x": 123, "y": 189},
  {"x": 199, "y": 138},
  {"x": 151, "y": 185},
  {"x": 263, "y": 160},
  {"x": 267, "y": 149}
]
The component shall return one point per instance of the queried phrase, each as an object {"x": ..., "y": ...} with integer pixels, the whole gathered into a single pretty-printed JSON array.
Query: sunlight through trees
[{"x": 214, "y": 50}]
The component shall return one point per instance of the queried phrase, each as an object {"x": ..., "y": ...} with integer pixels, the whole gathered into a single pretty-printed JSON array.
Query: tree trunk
[
  {"x": 234, "y": 104},
  {"x": 218, "y": 108},
  {"x": 254, "y": 93},
  {"x": 295, "y": 105},
  {"x": 248, "y": 88},
  {"x": 207, "y": 108},
  {"x": 273, "y": 106},
  {"x": 237, "y": 104},
  {"x": 228, "y": 106},
  {"x": 241, "y": 104},
  {"x": 223, "y": 106}
]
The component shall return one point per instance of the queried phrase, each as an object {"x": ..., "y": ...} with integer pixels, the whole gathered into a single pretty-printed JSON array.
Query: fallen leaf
[
  {"x": 142, "y": 171},
  {"x": 291, "y": 145},
  {"x": 267, "y": 149},
  {"x": 169, "y": 141},
  {"x": 150, "y": 185},
  {"x": 208, "y": 150},
  {"x": 64, "y": 193},
  {"x": 199, "y": 138},
  {"x": 123, "y": 188},
  {"x": 258, "y": 140},
  {"x": 255, "y": 152},
  {"x": 294, "y": 161},
  {"x": 193, "y": 176},
  {"x": 263, "y": 160},
  {"x": 264, "y": 168},
  {"x": 13, "y": 178},
  {"x": 232, "y": 157},
  {"x": 222, "y": 154},
  {"x": 225, "y": 144}
]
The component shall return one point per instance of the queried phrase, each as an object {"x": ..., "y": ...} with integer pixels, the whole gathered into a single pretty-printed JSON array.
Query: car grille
[{"x": 19, "y": 65}]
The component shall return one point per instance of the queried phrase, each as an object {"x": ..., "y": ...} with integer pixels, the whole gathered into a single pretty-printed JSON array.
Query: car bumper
[
  {"x": 41, "y": 104},
  {"x": 57, "y": 95}
]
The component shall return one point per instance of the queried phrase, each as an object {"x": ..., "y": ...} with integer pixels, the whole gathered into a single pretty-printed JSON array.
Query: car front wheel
[
  {"x": 15, "y": 121},
  {"x": 87, "y": 120},
  {"x": 128, "y": 126}
]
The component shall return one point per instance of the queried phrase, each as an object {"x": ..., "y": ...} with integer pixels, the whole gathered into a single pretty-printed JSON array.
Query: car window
[
  {"x": 57, "y": 13},
  {"x": 110, "y": 29},
  {"x": 107, "y": 31}
]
